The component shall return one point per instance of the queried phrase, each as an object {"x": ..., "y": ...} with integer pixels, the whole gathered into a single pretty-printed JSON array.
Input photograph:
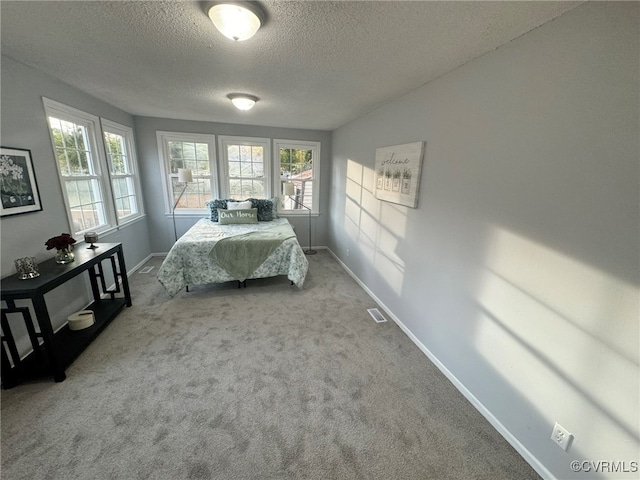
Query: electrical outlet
[
  {"x": 561, "y": 436},
  {"x": 348, "y": 252}
]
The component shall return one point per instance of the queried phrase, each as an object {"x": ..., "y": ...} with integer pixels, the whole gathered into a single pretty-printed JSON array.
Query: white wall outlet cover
[{"x": 562, "y": 437}]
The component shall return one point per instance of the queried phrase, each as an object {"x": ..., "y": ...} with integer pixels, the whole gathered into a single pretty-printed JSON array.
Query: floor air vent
[
  {"x": 145, "y": 270},
  {"x": 376, "y": 315}
]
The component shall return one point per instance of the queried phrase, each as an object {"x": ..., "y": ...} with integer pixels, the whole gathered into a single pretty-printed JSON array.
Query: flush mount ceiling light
[
  {"x": 243, "y": 101},
  {"x": 237, "y": 21}
]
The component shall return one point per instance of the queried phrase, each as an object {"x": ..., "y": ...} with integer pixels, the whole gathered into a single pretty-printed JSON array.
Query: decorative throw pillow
[
  {"x": 214, "y": 205},
  {"x": 264, "y": 207},
  {"x": 239, "y": 205},
  {"x": 276, "y": 206},
  {"x": 227, "y": 217}
]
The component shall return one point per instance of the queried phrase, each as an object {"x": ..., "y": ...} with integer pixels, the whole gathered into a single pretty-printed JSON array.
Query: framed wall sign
[
  {"x": 19, "y": 189},
  {"x": 397, "y": 173}
]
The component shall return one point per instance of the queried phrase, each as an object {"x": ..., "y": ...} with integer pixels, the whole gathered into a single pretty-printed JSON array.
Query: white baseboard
[
  {"x": 484, "y": 411},
  {"x": 133, "y": 270}
]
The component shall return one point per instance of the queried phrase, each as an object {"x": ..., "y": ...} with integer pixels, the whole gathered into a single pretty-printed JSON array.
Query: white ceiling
[{"x": 314, "y": 64}]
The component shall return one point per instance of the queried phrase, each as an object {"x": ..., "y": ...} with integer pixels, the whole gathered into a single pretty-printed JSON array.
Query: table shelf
[{"x": 53, "y": 352}]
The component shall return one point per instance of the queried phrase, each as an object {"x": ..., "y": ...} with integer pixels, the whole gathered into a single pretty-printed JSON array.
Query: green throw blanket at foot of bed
[{"x": 240, "y": 255}]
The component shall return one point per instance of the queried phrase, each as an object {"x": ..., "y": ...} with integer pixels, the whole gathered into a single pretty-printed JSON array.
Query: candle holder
[
  {"x": 91, "y": 237},
  {"x": 27, "y": 268}
]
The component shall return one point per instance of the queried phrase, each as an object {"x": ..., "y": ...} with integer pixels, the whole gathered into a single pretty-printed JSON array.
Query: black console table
[{"x": 53, "y": 352}]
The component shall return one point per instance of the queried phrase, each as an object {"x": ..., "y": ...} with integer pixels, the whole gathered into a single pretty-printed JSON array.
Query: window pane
[
  {"x": 80, "y": 138},
  {"x": 81, "y": 166},
  {"x": 293, "y": 162},
  {"x": 303, "y": 194},
  {"x": 235, "y": 189},
  {"x": 245, "y": 153},
  {"x": 117, "y": 153},
  {"x": 125, "y": 208},
  {"x": 68, "y": 134},
  {"x": 113, "y": 143},
  {"x": 195, "y": 156},
  {"x": 84, "y": 164},
  {"x": 118, "y": 164},
  {"x": 233, "y": 153},
  {"x": 70, "y": 141},
  {"x": 246, "y": 171},
  {"x": 189, "y": 151},
  {"x": 297, "y": 165},
  {"x": 195, "y": 195},
  {"x": 202, "y": 167},
  {"x": 202, "y": 151},
  {"x": 84, "y": 192},
  {"x": 191, "y": 155},
  {"x": 243, "y": 189},
  {"x": 119, "y": 187},
  {"x": 234, "y": 169},
  {"x": 252, "y": 188},
  {"x": 73, "y": 193}
]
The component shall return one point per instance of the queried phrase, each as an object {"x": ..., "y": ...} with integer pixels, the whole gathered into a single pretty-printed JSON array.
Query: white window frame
[
  {"x": 302, "y": 145},
  {"x": 109, "y": 126},
  {"x": 99, "y": 163},
  {"x": 163, "y": 139},
  {"x": 265, "y": 143}
]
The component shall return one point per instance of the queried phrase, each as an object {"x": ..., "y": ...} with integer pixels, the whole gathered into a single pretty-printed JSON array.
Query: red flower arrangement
[{"x": 61, "y": 242}]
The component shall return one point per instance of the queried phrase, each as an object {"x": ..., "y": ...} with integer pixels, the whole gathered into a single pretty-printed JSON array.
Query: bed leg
[
  {"x": 187, "y": 286},
  {"x": 239, "y": 284}
]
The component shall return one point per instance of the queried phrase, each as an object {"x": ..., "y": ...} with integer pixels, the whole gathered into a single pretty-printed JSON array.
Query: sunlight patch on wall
[
  {"x": 375, "y": 227},
  {"x": 368, "y": 178},
  {"x": 393, "y": 218},
  {"x": 351, "y": 219},
  {"x": 353, "y": 190},
  {"x": 592, "y": 299},
  {"x": 354, "y": 171},
  {"x": 370, "y": 204},
  {"x": 532, "y": 303}
]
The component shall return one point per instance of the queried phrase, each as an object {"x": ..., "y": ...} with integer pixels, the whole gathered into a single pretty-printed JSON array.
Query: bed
[{"x": 212, "y": 252}]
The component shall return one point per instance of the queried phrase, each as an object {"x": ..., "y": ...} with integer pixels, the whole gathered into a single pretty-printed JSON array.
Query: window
[
  {"x": 121, "y": 158},
  {"x": 80, "y": 164},
  {"x": 246, "y": 165},
  {"x": 299, "y": 163},
  {"x": 197, "y": 153}
]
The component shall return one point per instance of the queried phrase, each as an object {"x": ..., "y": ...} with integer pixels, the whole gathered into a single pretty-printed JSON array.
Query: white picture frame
[{"x": 397, "y": 173}]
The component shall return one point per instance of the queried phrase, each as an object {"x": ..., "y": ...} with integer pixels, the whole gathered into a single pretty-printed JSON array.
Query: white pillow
[{"x": 239, "y": 205}]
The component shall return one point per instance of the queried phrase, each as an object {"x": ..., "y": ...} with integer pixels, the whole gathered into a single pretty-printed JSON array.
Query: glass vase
[{"x": 65, "y": 256}]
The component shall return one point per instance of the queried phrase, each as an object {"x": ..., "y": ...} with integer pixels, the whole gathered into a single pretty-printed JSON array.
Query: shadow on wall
[{"x": 538, "y": 325}]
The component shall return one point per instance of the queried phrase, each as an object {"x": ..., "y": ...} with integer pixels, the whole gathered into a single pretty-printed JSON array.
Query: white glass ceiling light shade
[
  {"x": 236, "y": 21},
  {"x": 243, "y": 101}
]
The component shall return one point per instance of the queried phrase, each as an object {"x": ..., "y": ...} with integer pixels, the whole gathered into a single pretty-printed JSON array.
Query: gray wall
[
  {"x": 161, "y": 225},
  {"x": 518, "y": 271},
  {"x": 24, "y": 125}
]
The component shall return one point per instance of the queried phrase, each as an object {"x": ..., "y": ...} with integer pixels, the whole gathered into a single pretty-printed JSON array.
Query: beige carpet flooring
[{"x": 265, "y": 382}]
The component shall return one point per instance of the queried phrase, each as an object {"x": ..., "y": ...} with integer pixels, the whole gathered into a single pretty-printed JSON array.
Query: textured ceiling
[{"x": 314, "y": 64}]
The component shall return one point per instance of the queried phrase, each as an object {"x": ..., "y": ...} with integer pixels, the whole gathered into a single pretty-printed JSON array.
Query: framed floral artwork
[{"x": 19, "y": 189}]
